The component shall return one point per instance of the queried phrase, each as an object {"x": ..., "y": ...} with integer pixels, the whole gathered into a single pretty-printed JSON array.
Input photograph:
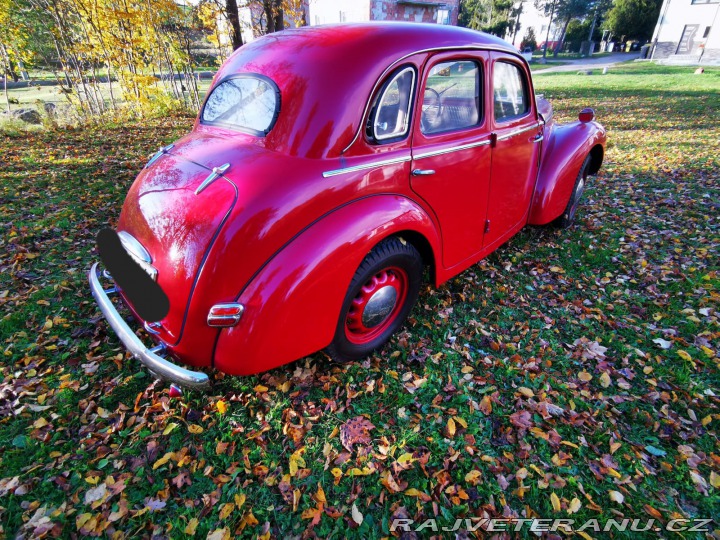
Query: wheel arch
[{"x": 301, "y": 290}]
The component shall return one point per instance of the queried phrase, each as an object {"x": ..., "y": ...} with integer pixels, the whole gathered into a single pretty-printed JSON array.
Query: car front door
[
  {"x": 451, "y": 150},
  {"x": 515, "y": 152}
]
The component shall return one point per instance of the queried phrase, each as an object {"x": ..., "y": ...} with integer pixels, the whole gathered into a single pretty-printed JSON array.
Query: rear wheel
[
  {"x": 568, "y": 216},
  {"x": 379, "y": 299}
]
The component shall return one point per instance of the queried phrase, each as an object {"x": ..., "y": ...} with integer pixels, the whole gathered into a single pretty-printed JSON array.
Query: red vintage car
[{"x": 329, "y": 167}]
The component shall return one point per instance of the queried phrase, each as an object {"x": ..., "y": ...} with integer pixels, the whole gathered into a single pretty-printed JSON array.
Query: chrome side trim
[
  {"x": 518, "y": 131},
  {"x": 364, "y": 166},
  {"x": 158, "y": 365},
  {"x": 160, "y": 153},
  {"x": 498, "y": 48},
  {"x": 451, "y": 149},
  {"x": 216, "y": 173}
]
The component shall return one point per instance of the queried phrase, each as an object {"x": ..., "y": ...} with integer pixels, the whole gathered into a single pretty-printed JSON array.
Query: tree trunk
[
  {"x": 233, "y": 17},
  {"x": 561, "y": 41},
  {"x": 547, "y": 36}
]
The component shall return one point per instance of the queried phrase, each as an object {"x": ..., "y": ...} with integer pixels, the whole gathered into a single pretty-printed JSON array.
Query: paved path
[{"x": 590, "y": 63}]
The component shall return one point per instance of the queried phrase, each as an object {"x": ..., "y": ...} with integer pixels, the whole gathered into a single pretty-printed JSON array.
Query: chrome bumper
[{"x": 158, "y": 365}]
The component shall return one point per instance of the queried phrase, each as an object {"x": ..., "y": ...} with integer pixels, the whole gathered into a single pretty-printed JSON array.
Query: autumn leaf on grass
[
  {"x": 521, "y": 419},
  {"x": 219, "y": 534},
  {"x": 616, "y": 496},
  {"x": 392, "y": 485},
  {"x": 356, "y": 430},
  {"x": 357, "y": 515},
  {"x": 296, "y": 461},
  {"x": 555, "y": 502}
]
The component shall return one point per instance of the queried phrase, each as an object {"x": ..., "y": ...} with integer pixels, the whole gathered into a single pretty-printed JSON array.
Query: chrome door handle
[
  {"x": 423, "y": 172},
  {"x": 539, "y": 137}
]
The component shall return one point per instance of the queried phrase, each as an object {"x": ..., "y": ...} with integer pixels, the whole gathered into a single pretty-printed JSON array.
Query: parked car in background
[
  {"x": 527, "y": 53},
  {"x": 327, "y": 170}
]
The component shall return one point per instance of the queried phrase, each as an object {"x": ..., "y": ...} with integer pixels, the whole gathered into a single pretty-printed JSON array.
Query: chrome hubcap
[{"x": 379, "y": 306}]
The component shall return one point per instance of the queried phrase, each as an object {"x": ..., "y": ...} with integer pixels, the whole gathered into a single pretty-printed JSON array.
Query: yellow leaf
[
  {"x": 320, "y": 495},
  {"x": 260, "y": 389},
  {"x": 226, "y": 510},
  {"x": 296, "y": 461},
  {"x": 451, "y": 427},
  {"x": 169, "y": 428},
  {"x": 616, "y": 496},
  {"x": 191, "y": 526},
  {"x": 360, "y": 472},
  {"x": 92, "y": 479},
  {"x": 163, "y": 460},
  {"x": 684, "y": 355},
  {"x": 585, "y": 535},
  {"x": 239, "y": 500},
  {"x": 575, "y": 505},
  {"x": 337, "y": 473},
  {"x": 605, "y": 380},
  {"x": 568, "y": 443},
  {"x": 486, "y": 405},
  {"x": 219, "y": 534},
  {"x": 473, "y": 477},
  {"x": 555, "y": 502},
  {"x": 405, "y": 458},
  {"x": 221, "y": 406},
  {"x": 714, "y": 480},
  {"x": 461, "y": 421},
  {"x": 412, "y": 492},
  {"x": 584, "y": 376},
  {"x": 195, "y": 429},
  {"x": 526, "y": 392}
]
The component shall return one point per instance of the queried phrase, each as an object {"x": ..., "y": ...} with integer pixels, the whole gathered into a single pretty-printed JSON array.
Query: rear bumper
[{"x": 158, "y": 365}]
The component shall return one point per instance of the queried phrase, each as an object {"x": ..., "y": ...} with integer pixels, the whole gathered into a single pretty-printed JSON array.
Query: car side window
[
  {"x": 510, "y": 92},
  {"x": 391, "y": 116},
  {"x": 451, "y": 100}
]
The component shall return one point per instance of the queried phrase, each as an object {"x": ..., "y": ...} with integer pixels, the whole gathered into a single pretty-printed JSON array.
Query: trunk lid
[{"x": 177, "y": 226}]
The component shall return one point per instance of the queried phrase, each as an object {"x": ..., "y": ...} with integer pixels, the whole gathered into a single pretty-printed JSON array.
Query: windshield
[{"x": 247, "y": 102}]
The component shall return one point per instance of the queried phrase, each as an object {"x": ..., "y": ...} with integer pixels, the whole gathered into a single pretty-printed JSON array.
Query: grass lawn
[{"x": 571, "y": 374}]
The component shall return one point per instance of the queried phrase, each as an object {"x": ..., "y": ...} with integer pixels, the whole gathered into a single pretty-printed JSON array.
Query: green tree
[
  {"x": 633, "y": 19},
  {"x": 564, "y": 11},
  {"x": 529, "y": 40},
  {"x": 491, "y": 16}
]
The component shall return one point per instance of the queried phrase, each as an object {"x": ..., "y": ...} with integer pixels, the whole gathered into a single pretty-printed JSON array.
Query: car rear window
[{"x": 248, "y": 103}]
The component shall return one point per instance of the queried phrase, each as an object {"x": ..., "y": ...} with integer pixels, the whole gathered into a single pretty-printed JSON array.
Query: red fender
[
  {"x": 292, "y": 306},
  {"x": 563, "y": 155}
]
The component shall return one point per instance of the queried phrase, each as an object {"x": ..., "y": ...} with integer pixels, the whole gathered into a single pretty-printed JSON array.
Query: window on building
[
  {"x": 707, "y": 31},
  {"x": 342, "y": 16},
  {"x": 443, "y": 16},
  {"x": 705, "y": 1},
  {"x": 510, "y": 92},
  {"x": 452, "y": 97}
]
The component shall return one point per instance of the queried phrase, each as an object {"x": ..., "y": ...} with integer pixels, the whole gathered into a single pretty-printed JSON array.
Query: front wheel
[
  {"x": 568, "y": 216},
  {"x": 379, "y": 299}
]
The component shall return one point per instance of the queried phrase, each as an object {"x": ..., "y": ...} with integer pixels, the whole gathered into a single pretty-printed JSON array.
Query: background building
[
  {"x": 688, "y": 32},
  {"x": 335, "y": 11}
]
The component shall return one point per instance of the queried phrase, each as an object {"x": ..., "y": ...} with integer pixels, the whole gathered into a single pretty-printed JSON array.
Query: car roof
[{"x": 327, "y": 73}]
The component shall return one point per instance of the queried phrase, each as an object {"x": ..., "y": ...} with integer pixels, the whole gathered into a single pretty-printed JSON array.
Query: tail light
[
  {"x": 586, "y": 115},
  {"x": 223, "y": 315}
]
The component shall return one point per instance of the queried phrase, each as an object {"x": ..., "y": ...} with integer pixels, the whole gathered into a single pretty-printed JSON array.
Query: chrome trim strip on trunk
[
  {"x": 364, "y": 166},
  {"x": 158, "y": 365},
  {"x": 451, "y": 149}
]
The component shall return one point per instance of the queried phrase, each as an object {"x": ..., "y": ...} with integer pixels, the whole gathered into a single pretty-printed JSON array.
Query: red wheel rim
[{"x": 362, "y": 325}]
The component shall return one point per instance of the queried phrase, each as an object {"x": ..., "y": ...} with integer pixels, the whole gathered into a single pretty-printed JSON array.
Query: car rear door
[
  {"x": 516, "y": 134},
  {"x": 451, "y": 150}
]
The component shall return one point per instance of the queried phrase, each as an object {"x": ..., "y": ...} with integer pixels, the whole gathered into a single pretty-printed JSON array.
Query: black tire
[
  {"x": 567, "y": 218},
  {"x": 390, "y": 276}
]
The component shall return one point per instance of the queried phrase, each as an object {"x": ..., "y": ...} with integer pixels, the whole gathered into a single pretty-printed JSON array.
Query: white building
[{"x": 688, "y": 32}]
